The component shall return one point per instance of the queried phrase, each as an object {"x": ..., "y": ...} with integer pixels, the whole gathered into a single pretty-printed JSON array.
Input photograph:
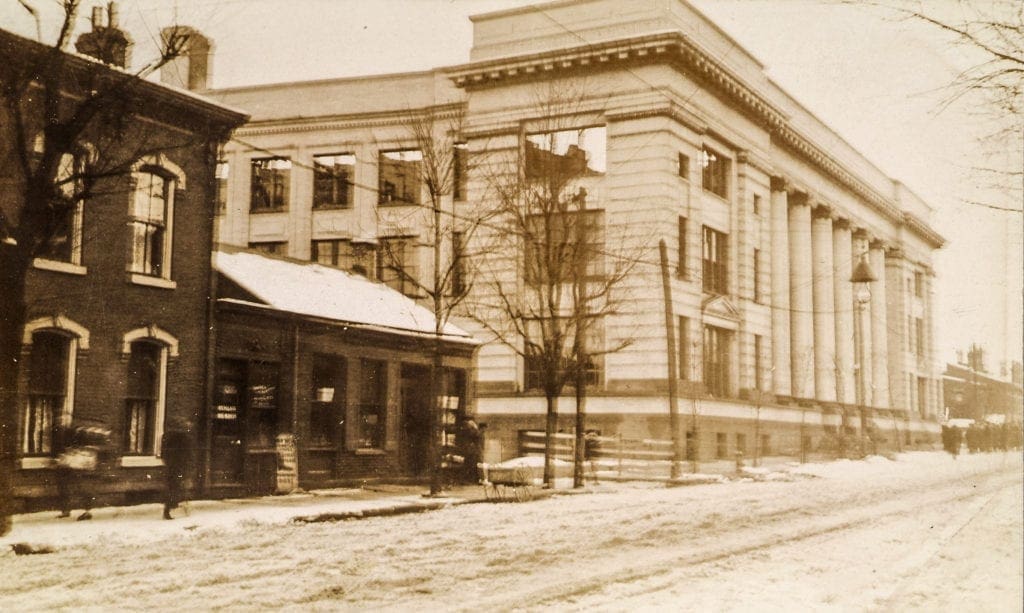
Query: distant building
[
  {"x": 974, "y": 394},
  {"x": 766, "y": 211},
  {"x": 118, "y": 304}
]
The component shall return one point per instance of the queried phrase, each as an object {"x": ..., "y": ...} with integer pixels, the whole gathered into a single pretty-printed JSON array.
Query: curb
[{"x": 402, "y": 509}]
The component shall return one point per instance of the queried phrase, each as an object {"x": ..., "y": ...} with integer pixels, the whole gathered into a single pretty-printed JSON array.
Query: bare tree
[
  {"x": 441, "y": 163},
  {"x": 68, "y": 132},
  {"x": 551, "y": 280}
]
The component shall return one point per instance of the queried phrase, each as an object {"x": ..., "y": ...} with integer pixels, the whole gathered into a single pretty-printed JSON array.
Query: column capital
[
  {"x": 861, "y": 233},
  {"x": 821, "y": 210},
  {"x": 780, "y": 184},
  {"x": 799, "y": 199},
  {"x": 894, "y": 252},
  {"x": 841, "y": 223},
  {"x": 877, "y": 243}
]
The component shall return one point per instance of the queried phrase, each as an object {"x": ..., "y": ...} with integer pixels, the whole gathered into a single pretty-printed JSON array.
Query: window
[
  {"x": 563, "y": 154},
  {"x": 552, "y": 253},
  {"x": 594, "y": 341},
  {"x": 684, "y": 166},
  {"x": 50, "y": 383},
  {"x": 372, "y": 404},
  {"x": 758, "y": 362},
  {"x": 401, "y": 179},
  {"x": 919, "y": 284},
  {"x": 741, "y": 443},
  {"x": 458, "y": 274},
  {"x": 721, "y": 445},
  {"x": 922, "y": 396},
  {"x": 64, "y": 244},
  {"x": 685, "y": 360},
  {"x": 269, "y": 184},
  {"x": 151, "y": 224},
  {"x": 758, "y": 297},
  {"x": 333, "y": 179},
  {"x": 270, "y": 247},
  {"x": 714, "y": 262},
  {"x": 327, "y": 408},
  {"x": 344, "y": 254},
  {"x": 757, "y": 204},
  {"x": 143, "y": 402},
  {"x": 681, "y": 249},
  {"x": 919, "y": 335},
  {"x": 766, "y": 444},
  {"x": 221, "y": 176},
  {"x": 460, "y": 171},
  {"x": 716, "y": 361},
  {"x": 714, "y": 172},
  {"x": 396, "y": 264},
  {"x": 911, "y": 336}
]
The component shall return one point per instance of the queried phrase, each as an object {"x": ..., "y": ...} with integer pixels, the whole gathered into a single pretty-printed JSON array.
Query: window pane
[
  {"x": 148, "y": 229},
  {"x": 715, "y": 172},
  {"x": 333, "y": 178},
  {"x": 400, "y": 177}
]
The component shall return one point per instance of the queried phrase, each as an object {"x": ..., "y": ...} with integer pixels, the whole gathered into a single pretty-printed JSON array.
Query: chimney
[
  {"x": 107, "y": 44},
  {"x": 191, "y": 69}
]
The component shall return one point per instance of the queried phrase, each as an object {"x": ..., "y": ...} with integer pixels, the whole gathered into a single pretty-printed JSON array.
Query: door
[
  {"x": 227, "y": 450},
  {"x": 416, "y": 418}
]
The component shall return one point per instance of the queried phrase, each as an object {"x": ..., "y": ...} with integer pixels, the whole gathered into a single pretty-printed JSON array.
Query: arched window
[
  {"x": 152, "y": 206},
  {"x": 147, "y": 350}
]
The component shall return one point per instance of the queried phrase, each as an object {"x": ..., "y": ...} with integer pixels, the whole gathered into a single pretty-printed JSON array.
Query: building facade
[
  {"x": 766, "y": 212},
  {"x": 971, "y": 393},
  {"x": 117, "y": 300}
]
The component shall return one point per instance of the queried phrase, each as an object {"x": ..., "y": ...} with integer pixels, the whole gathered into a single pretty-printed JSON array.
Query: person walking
[
  {"x": 176, "y": 451},
  {"x": 86, "y": 451}
]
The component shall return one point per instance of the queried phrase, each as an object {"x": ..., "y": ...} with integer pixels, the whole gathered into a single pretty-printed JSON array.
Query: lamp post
[{"x": 861, "y": 279}]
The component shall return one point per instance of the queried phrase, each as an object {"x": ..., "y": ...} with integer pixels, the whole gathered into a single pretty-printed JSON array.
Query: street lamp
[{"x": 861, "y": 279}]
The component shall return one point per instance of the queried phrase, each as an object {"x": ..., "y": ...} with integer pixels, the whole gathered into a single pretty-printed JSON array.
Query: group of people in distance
[
  {"x": 981, "y": 437},
  {"x": 89, "y": 456}
]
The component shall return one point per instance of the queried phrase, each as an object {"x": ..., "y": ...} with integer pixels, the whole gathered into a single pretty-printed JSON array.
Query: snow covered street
[{"x": 924, "y": 532}]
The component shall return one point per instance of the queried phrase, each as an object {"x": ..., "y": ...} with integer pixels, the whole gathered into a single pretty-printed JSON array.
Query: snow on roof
[{"x": 320, "y": 291}]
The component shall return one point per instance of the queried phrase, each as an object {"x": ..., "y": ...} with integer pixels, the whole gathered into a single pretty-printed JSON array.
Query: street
[{"x": 925, "y": 532}]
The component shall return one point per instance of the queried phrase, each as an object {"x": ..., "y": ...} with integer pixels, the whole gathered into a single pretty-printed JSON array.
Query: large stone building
[{"x": 766, "y": 211}]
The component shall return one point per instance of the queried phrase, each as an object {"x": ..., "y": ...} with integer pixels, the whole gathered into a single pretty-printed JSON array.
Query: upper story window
[
  {"x": 566, "y": 154},
  {"x": 221, "y": 177},
  {"x": 270, "y": 247},
  {"x": 401, "y": 180},
  {"x": 333, "y": 180},
  {"x": 919, "y": 284},
  {"x": 64, "y": 243},
  {"x": 269, "y": 184},
  {"x": 396, "y": 264},
  {"x": 714, "y": 261},
  {"x": 715, "y": 172},
  {"x": 344, "y": 254},
  {"x": 458, "y": 268},
  {"x": 152, "y": 208},
  {"x": 716, "y": 361},
  {"x": 683, "y": 168},
  {"x": 556, "y": 247},
  {"x": 460, "y": 171},
  {"x": 681, "y": 248}
]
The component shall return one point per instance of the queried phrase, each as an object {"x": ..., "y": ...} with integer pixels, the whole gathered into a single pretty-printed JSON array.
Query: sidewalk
[{"x": 144, "y": 522}]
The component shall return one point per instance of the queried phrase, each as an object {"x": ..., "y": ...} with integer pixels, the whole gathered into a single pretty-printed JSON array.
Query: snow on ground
[{"x": 876, "y": 534}]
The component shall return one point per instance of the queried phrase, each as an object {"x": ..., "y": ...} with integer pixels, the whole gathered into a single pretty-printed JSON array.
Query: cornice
[
  {"x": 916, "y": 224},
  {"x": 291, "y": 125}
]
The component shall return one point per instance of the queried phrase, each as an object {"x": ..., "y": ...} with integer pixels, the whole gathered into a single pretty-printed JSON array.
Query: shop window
[
  {"x": 559, "y": 155},
  {"x": 400, "y": 180},
  {"x": 372, "y": 404},
  {"x": 396, "y": 264},
  {"x": 327, "y": 408},
  {"x": 143, "y": 404},
  {"x": 152, "y": 208},
  {"x": 333, "y": 180},
  {"x": 715, "y": 172},
  {"x": 715, "y": 271},
  {"x": 50, "y": 377},
  {"x": 460, "y": 171},
  {"x": 269, "y": 184}
]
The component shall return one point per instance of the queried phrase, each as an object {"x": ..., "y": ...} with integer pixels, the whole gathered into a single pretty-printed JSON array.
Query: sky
[{"x": 880, "y": 82}]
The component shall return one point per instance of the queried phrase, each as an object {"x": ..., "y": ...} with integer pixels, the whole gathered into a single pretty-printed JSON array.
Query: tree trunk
[
  {"x": 581, "y": 424},
  {"x": 13, "y": 268},
  {"x": 550, "y": 428}
]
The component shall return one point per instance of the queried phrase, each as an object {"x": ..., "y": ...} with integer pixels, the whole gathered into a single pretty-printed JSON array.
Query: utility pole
[{"x": 670, "y": 337}]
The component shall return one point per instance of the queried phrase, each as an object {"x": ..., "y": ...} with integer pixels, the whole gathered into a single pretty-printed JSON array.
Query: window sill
[
  {"x": 267, "y": 211},
  {"x": 58, "y": 266},
  {"x": 35, "y": 463},
  {"x": 140, "y": 279},
  {"x": 398, "y": 203},
  {"x": 332, "y": 207},
  {"x": 140, "y": 461},
  {"x": 321, "y": 447},
  {"x": 370, "y": 452}
]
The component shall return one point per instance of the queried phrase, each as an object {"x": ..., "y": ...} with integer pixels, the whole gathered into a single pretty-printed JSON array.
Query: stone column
[
  {"x": 879, "y": 390},
  {"x": 801, "y": 299},
  {"x": 863, "y": 368},
  {"x": 781, "y": 373},
  {"x": 842, "y": 267},
  {"x": 824, "y": 300}
]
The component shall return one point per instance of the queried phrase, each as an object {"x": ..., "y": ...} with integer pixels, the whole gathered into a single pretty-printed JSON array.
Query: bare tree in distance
[
  {"x": 550, "y": 280},
  {"x": 68, "y": 133},
  {"x": 442, "y": 168}
]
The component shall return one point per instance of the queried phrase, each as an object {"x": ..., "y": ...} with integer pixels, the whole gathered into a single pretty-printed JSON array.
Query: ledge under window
[
  {"x": 369, "y": 451},
  {"x": 37, "y": 462},
  {"x": 58, "y": 266},
  {"x": 140, "y": 461},
  {"x": 140, "y": 279}
]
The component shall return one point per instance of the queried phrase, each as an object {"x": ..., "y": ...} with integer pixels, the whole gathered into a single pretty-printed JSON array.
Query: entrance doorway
[
  {"x": 244, "y": 426},
  {"x": 416, "y": 411}
]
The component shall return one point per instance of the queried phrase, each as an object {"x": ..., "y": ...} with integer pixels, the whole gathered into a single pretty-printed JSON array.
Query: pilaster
[
  {"x": 896, "y": 329},
  {"x": 842, "y": 268},
  {"x": 780, "y": 288},
  {"x": 801, "y": 297},
  {"x": 824, "y": 301}
]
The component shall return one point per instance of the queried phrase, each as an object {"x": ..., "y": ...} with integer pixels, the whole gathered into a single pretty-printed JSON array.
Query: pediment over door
[{"x": 720, "y": 312}]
